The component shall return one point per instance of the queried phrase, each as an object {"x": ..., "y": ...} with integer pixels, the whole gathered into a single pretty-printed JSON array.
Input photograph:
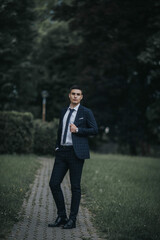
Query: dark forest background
[{"x": 110, "y": 48}]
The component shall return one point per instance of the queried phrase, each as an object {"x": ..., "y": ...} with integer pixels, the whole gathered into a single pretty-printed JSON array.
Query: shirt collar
[{"x": 76, "y": 108}]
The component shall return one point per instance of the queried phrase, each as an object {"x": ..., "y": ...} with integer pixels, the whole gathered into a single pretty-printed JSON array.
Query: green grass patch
[
  {"x": 16, "y": 174},
  {"x": 123, "y": 192}
]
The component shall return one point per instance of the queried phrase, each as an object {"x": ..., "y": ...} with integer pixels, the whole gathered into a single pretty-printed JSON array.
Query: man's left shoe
[
  {"x": 59, "y": 222},
  {"x": 70, "y": 224}
]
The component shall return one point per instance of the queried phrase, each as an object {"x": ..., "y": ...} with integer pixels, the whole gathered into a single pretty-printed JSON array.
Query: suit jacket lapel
[
  {"x": 79, "y": 113},
  {"x": 63, "y": 113}
]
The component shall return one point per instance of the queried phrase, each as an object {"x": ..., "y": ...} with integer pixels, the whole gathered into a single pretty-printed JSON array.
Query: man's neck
[{"x": 73, "y": 105}]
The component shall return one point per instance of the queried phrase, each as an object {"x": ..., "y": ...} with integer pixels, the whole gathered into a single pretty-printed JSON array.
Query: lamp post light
[
  {"x": 106, "y": 130},
  {"x": 44, "y": 94}
]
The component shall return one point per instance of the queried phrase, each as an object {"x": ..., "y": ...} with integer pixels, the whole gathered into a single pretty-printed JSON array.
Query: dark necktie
[{"x": 66, "y": 127}]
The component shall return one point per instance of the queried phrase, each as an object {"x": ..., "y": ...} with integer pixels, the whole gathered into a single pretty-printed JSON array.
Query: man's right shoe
[{"x": 59, "y": 222}]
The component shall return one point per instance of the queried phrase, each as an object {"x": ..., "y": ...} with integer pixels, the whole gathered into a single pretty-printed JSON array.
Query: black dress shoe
[
  {"x": 70, "y": 224},
  {"x": 59, "y": 222}
]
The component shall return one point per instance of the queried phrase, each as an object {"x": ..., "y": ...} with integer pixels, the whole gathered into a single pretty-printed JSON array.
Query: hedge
[
  {"x": 45, "y": 136},
  {"x": 16, "y": 132},
  {"x": 20, "y": 133}
]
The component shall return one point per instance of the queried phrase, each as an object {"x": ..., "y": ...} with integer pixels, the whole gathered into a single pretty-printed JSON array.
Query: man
[{"x": 76, "y": 124}]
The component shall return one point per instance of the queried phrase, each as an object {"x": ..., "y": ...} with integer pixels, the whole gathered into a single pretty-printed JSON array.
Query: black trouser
[{"x": 66, "y": 159}]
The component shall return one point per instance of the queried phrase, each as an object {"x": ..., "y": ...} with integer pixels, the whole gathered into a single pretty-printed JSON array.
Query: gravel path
[{"x": 40, "y": 209}]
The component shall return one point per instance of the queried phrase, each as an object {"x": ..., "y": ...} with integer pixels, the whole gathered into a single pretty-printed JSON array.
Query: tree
[
  {"x": 114, "y": 34},
  {"x": 16, "y": 37},
  {"x": 54, "y": 58},
  {"x": 149, "y": 60}
]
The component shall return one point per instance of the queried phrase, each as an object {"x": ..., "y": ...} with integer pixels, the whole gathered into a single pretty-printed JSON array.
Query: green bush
[
  {"x": 45, "y": 136},
  {"x": 16, "y": 132}
]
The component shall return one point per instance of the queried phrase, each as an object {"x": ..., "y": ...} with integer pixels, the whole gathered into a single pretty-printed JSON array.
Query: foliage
[
  {"x": 16, "y": 38},
  {"x": 114, "y": 35},
  {"x": 16, "y": 132},
  {"x": 122, "y": 192},
  {"x": 111, "y": 48},
  {"x": 54, "y": 57},
  {"x": 21, "y": 134},
  {"x": 45, "y": 136},
  {"x": 149, "y": 58}
]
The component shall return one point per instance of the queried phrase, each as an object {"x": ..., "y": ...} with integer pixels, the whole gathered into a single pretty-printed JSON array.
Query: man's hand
[{"x": 73, "y": 128}]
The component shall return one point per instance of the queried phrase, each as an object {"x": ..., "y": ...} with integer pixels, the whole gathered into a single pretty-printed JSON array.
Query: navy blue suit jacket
[{"x": 87, "y": 126}]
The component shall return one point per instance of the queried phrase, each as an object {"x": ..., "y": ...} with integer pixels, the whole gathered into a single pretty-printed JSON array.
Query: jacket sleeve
[{"x": 91, "y": 128}]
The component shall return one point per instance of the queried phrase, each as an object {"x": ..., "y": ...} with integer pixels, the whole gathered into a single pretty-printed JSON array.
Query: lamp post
[{"x": 44, "y": 94}]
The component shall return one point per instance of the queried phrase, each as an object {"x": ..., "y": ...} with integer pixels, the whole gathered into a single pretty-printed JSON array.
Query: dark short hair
[{"x": 76, "y": 87}]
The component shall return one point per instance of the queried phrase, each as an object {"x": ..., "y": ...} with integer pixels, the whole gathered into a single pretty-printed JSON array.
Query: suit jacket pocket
[{"x": 81, "y": 122}]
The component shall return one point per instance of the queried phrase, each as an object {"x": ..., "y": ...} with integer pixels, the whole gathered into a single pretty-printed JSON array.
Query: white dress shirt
[{"x": 72, "y": 119}]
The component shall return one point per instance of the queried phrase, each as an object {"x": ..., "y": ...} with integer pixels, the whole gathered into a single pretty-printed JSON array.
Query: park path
[{"x": 39, "y": 209}]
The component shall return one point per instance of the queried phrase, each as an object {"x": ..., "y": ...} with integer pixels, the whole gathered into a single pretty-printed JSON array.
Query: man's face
[{"x": 75, "y": 96}]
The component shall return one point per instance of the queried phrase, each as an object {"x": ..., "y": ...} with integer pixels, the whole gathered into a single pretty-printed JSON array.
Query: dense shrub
[
  {"x": 16, "y": 132},
  {"x": 45, "y": 136}
]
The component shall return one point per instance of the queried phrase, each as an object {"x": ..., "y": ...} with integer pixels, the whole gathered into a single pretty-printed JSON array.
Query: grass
[
  {"x": 16, "y": 174},
  {"x": 123, "y": 192}
]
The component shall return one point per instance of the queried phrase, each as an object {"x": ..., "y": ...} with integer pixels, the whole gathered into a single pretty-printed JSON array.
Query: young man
[{"x": 76, "y": 124}]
